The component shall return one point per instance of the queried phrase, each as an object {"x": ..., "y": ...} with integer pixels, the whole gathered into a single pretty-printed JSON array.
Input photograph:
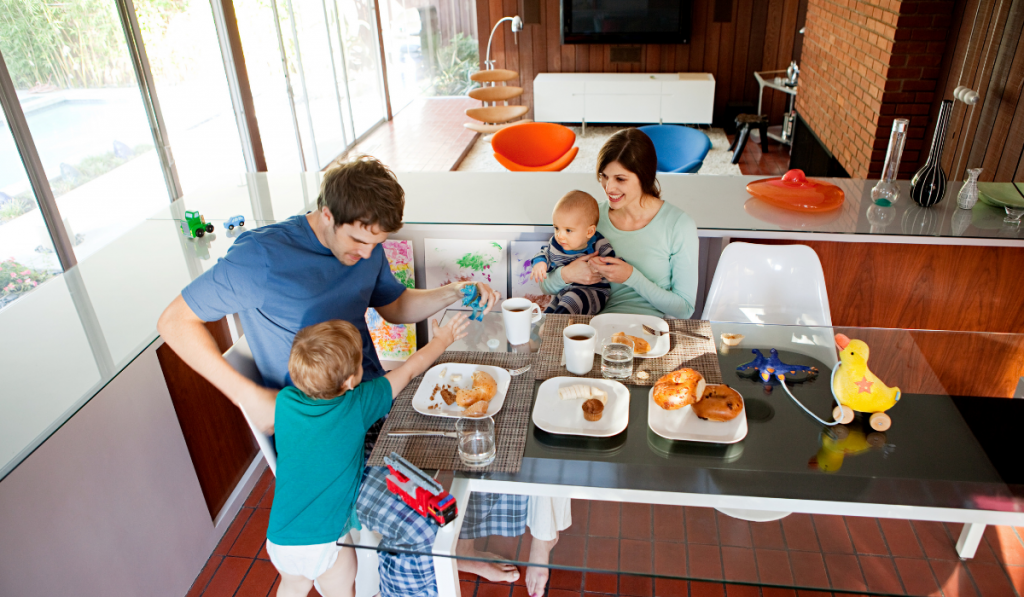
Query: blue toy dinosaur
[
  {"x": 773, "y": 369},
  {"x": 471, "y": 298}
]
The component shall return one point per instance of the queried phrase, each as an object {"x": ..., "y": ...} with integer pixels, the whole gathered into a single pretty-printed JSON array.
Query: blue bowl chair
[{"x": 680, "y": 149}]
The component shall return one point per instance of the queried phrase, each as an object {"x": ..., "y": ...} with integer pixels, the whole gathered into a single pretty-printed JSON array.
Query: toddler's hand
[
  {"x": 451, "y": 331},
  {"x": 540, "y": 272}
]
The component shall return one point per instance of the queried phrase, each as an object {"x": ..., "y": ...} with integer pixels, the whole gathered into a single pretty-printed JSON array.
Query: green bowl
[{"x": 1001, "y": 194}]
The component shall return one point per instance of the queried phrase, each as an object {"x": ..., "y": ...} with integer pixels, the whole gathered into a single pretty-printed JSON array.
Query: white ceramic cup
[
  {"x": 579, "y": 354},
  {"x": 519, "y": 314}
]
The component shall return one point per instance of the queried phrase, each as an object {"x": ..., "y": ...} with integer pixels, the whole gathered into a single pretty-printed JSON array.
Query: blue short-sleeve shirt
[{"x": 279, "y": 279}]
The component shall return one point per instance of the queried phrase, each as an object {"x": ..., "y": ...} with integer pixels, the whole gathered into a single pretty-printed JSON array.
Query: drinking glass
[
  {"x": 617, "y": 358},
  {"x": 1013, "y": 215},
  {"x": 476, "y": 440}
]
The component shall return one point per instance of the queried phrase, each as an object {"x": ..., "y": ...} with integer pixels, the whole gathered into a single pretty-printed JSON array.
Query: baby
[
  {"x": 575, "y": 218},
  {"x": 319, "y": 428}
]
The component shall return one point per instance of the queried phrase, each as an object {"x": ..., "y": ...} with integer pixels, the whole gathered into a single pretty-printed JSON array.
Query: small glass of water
[
  {"x": 476, "y": 440},
  {"x": 1013, "y": 215},
  {"x": 617, "y": 358}
]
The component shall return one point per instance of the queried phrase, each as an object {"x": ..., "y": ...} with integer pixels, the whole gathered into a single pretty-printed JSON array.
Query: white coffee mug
[
  {"x": 519, "y": 314},
  {"x": 579, "y": 341}
]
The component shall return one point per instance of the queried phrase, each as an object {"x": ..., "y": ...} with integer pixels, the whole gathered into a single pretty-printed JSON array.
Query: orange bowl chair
[{"x": 535, "y": 147}]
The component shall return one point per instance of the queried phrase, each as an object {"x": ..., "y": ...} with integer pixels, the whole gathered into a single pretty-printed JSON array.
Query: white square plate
[
  {"x": 611, "y": 323},
  {"x": 554, "y": 415},
  {"x": 421, "y": 399},
  {"x": 683, "y": 424}
]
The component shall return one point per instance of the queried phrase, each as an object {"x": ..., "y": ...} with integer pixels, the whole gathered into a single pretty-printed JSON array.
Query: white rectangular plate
[
  {"x": 554, "y": 415},
  {"x": 611, "y": 323},
  {"x": 421, "y": 399},
  {"x": 683, "y": 424}
]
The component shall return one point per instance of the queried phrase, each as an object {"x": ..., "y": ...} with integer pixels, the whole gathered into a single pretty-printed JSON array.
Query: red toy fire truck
[{"x": 420, "y": 492}]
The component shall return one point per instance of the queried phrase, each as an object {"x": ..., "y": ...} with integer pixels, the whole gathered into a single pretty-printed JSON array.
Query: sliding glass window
[{"x": 75, "y": 82}]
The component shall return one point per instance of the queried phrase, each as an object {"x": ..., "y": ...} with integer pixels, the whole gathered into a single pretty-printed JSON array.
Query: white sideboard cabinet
[{"x": 681, "y": 98}]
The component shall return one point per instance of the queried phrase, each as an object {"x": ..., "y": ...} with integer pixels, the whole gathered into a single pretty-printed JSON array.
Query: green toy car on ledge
[{"x": 194, "y": 225}]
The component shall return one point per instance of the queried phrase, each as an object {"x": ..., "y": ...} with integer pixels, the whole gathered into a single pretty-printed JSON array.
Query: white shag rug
[{"x": 481, "y": 157}]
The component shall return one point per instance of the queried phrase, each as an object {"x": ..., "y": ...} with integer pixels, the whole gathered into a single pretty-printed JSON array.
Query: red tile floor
[{"x": 853, "y": 554}]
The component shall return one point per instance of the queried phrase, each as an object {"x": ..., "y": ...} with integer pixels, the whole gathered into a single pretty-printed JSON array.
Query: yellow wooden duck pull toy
[{"x": 856, "y": 388}]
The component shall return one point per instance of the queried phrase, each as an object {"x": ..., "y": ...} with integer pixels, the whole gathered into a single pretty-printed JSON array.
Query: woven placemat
[
  {"x": 510, "y": 424},
  {"x": 685, "y": 352}
]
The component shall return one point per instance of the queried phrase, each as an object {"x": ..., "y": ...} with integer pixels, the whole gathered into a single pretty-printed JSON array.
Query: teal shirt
[
  {"x": 320, "y": 461},
  {"x": 664, "y": 256}
]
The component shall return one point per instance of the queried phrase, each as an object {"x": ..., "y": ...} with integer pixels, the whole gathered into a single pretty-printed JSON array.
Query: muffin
[{"x": 593, "y": 409}]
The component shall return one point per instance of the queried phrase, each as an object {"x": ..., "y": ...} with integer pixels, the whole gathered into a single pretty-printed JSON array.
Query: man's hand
[
  {"x": 450, "y": 332},
  {"x": 488, "y": 297},
  {"x": 540, "y": 272},
  {"x": 580, "y": 271},
  {"x": 258, "y": 404},
  {"x": 613, "y": 269}
]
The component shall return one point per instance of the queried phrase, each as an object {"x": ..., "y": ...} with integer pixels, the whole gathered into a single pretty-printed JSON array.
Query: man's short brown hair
[
  {"x": 324, "y": 356},
  {"x": 365, "y": 191},
  {"x": 581, "y": 203}
]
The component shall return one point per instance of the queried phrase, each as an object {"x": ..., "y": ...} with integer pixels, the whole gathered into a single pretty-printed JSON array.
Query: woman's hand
[
  {"x": 581, "y": 271},
  {"x": 451, "y": 331},
  {"x": 613, "y": 269}
]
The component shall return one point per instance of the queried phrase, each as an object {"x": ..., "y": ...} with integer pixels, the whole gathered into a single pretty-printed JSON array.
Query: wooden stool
[{"x": 743, "y": 124}]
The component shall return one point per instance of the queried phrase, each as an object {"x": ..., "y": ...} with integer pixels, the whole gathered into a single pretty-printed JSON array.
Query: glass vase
[
  {"x": 928, "y": 186},
  {"x": 969, "y": 192},
  {"x": 886, "y": 192}
]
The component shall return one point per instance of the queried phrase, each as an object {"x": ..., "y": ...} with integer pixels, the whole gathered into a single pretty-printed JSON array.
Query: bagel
[
  {"x": 484, "y": 388},
  {"x": 678, "y": 389},
  {"x": 719, "y": 403}
]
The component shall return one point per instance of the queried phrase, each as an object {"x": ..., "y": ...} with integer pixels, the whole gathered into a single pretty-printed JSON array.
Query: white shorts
[
  {"x": 547, "y": 516},
  {"x": 310, "y": 561}
]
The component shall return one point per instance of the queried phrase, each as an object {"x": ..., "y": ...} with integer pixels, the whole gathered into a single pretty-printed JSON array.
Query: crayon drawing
[
  {"x": 394, "y": 342},
  {"x": 523, "y": 252},
  {"x": 450, "y": 261}
]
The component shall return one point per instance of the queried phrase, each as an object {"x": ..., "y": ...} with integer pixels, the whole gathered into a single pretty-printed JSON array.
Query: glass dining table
[{"x": 795, "y": 503}]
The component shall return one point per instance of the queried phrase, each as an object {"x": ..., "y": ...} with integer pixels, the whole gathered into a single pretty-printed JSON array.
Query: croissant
[{"x": 484, "y": 388}]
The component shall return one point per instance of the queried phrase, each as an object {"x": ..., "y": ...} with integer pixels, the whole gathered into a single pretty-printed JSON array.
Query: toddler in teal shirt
[{"x": 319, "y": 427}]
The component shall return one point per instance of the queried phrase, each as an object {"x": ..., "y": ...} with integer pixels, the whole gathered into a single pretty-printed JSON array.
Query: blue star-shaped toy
[
  {"x": 773, "y": 369},
  {"x": 471, "y": 298}
]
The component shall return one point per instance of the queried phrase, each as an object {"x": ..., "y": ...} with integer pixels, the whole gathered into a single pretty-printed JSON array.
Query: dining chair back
[
  {"x": 680, "y": 149},
  {"x": 240, "y": 357},
  {"x": 535, "y": 147},
  {"x": 773, "y": 284}
]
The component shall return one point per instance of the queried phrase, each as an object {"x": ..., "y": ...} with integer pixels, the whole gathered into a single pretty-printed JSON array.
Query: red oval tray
[{"x": 796, "y": 192}]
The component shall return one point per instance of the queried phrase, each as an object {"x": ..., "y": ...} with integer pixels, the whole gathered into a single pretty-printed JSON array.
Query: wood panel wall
[
  {"x": 924, "y": 287},
  {"x": 987, "y": 56},
  {"x": 216, "y": 434},
  {"x": 761, "y": 36}
]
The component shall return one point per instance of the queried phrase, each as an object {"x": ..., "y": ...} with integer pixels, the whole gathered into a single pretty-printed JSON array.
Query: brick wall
[{"x": 864, "y": 63}]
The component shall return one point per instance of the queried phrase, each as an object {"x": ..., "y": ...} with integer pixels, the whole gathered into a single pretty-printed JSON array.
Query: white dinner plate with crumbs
[
  {"x": 612, "y": 323},
  {"x": 684, "y": 425},
  {"x": 454, "y": 376},
  {"x": 565, "y": 417}
]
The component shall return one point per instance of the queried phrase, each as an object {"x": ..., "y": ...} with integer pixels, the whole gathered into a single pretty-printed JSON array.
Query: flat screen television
[{"x": 626, "y": 21}]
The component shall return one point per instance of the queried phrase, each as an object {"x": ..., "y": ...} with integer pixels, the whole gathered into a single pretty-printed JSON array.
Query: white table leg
[
  {"x": 445, "y": 565},
  {"x": 970, "y": 537}
]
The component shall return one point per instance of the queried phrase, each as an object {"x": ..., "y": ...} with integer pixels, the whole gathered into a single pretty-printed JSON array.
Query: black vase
[{"x": 928, "y": 186}]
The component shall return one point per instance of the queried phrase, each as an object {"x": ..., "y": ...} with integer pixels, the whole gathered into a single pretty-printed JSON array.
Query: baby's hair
[
  {"x": 581, "y": 203},
  {"x": 324, "y": 356}
]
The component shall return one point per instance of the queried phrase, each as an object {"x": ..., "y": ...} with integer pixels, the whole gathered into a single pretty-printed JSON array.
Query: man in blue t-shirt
[{"x": 280, "y": 278}]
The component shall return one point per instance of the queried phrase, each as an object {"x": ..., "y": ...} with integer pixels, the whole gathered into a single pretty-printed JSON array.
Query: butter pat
[
  {"x": 582, "y": 391},
  {"x": 456, "y": 377}
]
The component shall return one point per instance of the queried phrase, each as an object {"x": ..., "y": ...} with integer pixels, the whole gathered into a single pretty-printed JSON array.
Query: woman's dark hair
[
  {"x": 635, "y": 151},
  {"x": 363, "y": 191}
]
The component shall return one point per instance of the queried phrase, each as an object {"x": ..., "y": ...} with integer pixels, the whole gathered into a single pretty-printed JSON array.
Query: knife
[{"x": 406, "y": 432}]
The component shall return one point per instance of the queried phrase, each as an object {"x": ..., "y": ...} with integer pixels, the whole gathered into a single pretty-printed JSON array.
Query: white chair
[
  {"x": 772, "y": 284},
  {"x": 240, "y": 357}
]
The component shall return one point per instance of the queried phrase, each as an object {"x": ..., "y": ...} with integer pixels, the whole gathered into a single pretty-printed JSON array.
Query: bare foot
[
  {"x": 492, "y": 571},
  {"x": 537, "y": 576}
]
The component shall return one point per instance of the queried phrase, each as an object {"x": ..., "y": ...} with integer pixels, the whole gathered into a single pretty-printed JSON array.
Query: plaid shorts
[{"x": 412, "y": 575}]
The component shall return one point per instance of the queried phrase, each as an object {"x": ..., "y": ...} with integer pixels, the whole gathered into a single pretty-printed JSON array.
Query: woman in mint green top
[{"x": 655, "y": 271}]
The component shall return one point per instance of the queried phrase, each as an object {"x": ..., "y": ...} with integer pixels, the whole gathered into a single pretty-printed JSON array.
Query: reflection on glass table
[
  {"x": 795, "y": 490},
  {"x": 489, "y": 334}
]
